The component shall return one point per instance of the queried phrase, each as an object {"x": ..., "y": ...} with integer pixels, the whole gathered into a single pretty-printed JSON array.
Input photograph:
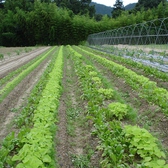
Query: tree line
[
  {"x": 118, "y": 7},
  {"x": 33, "y": 22}
]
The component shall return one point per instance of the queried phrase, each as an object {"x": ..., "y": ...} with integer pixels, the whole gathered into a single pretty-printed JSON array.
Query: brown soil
[
  {"x": 13, "y": 52},
  {"x": 17, "y": 97},
  {"x": 64, "y": 147},
  {"x": 72, "y": 145},
  {"x": 15, "y": 62},
  {"x": 8, "y": 51}
]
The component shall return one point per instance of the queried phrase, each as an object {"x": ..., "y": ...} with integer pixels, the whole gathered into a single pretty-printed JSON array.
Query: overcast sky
[{"x": 112, "y": 2}]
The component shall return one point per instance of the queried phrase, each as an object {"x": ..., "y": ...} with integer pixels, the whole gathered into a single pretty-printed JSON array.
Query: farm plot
[
  {"x": 89, "y": 110},
  {"x": 148, "y": 114}
]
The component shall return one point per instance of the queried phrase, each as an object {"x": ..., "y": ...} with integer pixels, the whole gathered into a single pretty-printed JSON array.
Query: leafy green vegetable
[
  {"x": 107, "y": 93},
  {"x": 117, "y": 110}
]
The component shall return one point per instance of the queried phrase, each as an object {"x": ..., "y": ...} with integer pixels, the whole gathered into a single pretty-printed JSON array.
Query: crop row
[
  {"x": 147, "y": 89},
  {"x": 25, "y": 117},
  {"x": 121, "y": 146},
  {"x": 38, "y": 143},
  {"x": 11, "y": 84}
]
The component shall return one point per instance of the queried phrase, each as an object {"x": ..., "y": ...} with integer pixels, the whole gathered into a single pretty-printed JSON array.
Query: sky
[{"x": 112, "y": 2}]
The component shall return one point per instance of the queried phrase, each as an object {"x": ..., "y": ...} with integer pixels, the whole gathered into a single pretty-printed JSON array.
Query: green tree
[
  {"x": 98, "y": 17},
  {"x": 118, "y": 8},
  {"x": 77, "y": 6},
  {"x": 8, "y": 29},
  {"x": 26, "y": 5},
  {"x": 1, "y": 25},
  {"x": 1, "y": 4},
  {"x": 162, "y": 10},
  {"x": 148, "y": 4}
]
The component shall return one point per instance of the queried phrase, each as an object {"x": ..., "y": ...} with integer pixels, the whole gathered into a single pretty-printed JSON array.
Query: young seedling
[{"x": 1, "y": 56}]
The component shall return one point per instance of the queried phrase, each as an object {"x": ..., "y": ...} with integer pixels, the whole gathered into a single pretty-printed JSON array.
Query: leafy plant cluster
[
  {"x": 92, "y": 84},
  {"x": 1, "y": 56},
  {"x": 147, "y": 69},
  {"x": 107, "y": 93},
  {"x": 11, "y": 84},
  {"x": 10, "y": 146},
  {"x": 26, "y": 115},
  {"x": 118, "y": 110},
  {"x": 115, "y": 145},
  {"x": 148, "y": 89},
  {"x": 144, "y": 144},
  {"x": 38, "y": 147}
]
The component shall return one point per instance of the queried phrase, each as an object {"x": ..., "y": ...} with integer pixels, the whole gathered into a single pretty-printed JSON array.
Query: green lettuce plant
[
  {"x": 116, "y": 110},
  {"x": 107, "y": 93},
  {"x": 143, "y": 144}
]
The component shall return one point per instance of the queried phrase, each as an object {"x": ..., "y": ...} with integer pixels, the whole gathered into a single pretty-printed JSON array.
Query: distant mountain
[
  {"x": 106, "y": 10},
  {"x": 102, "y": 9},
  {"x": 130, "y": 6}
]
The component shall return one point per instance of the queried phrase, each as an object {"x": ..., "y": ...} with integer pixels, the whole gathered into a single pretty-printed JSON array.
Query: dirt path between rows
[
  {"x": 62, "y": 136},
  {"x": 73, "y": 135},
  {"x": 13, "y": 63},
  {"x": 17, "y": 97}
]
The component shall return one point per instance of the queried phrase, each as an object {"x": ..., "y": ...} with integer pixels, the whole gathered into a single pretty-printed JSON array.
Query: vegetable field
[{"x": 81, "y": 107}]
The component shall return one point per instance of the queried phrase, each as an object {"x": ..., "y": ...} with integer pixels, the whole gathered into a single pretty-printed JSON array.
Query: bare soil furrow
[
  {"x": 16, "y": 62},
  {"x": 62, "y": 137},
  {"x": 73, "y": 135},
  {"x": 62, "y": 147}
]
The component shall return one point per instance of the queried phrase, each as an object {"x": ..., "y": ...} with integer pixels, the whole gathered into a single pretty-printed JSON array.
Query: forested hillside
[
  {"x": 102, "y": 9},
  {"x": 130, "y": 6},
  {"x": 106, "y": 10},
  {"x": 45, "y": 23}
]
